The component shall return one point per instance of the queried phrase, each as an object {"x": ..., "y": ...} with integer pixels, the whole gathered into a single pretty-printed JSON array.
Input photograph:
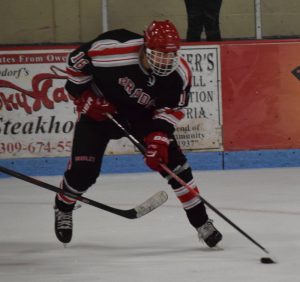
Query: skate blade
[{"x": 218, "y": 247}]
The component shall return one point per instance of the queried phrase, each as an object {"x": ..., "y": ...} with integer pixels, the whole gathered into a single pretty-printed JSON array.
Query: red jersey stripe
[
  {"x": 114, "y": 51},
  {"x": 74, "y": 73}
]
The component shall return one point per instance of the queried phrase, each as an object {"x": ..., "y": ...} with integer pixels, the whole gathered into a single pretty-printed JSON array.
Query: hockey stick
[
  {"x": 150, "y": 204},
  {"x": 142, "y": 149}
]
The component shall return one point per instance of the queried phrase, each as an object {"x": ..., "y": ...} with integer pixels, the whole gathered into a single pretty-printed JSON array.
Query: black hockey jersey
[{"x": 110, "y": 64}]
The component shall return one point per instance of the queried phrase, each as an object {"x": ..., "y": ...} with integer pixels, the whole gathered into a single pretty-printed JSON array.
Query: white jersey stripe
[
  {"x": 116, "y": 63},
  {"x": 170, "y": 118},
  {"x": 115, "y": 60},
  {"x": 80, "y": 80},
  {"x": 109, "y": 43}
]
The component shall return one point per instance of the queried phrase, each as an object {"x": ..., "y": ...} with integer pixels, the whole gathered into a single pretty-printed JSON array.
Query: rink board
[{"x": 243, "y": 111}]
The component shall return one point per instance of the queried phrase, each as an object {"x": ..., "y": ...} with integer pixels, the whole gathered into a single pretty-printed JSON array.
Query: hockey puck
[{"x": 266, "y": 260}]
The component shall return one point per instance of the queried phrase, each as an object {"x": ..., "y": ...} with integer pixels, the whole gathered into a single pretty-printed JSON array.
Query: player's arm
[
  {"x": 78, "y": 85},
  {"x": 165, "y": 120},
  {"x": 79, "y": 70},
  {"x": 158, "y": 140},
  {"x": 171, "y": 106}
]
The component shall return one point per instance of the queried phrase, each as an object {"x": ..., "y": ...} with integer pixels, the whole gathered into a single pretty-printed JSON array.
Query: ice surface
[{"x": 160, "y": 246}]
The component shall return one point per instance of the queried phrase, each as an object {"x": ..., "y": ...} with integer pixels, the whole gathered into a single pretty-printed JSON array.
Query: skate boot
[
  {"x": 63, "y": 225},
  {"x": 209, "y": 234}
]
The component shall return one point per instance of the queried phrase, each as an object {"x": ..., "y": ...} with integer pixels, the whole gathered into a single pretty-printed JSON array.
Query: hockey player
[{"x": 144, "y": 83}]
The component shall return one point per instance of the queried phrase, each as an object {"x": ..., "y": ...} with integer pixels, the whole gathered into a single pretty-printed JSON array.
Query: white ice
[{"x": 161, "y": 246}]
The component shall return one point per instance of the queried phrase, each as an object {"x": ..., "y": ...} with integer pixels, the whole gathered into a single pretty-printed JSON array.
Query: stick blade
[{"x": 152, "y": 203}]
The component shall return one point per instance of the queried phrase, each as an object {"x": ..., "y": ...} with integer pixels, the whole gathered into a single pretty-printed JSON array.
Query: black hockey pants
[{"x": 89, "y": 143}]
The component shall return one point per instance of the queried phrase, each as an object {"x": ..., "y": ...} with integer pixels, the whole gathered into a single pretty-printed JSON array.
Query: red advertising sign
[{"x": 261, "y": 96}]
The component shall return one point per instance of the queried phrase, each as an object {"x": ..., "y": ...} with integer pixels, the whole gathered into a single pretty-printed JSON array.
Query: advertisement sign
[
  {"x": 261, "y": 95},
  {"x": 37, "y": 117},
  {"x": 202, "y": 127}
]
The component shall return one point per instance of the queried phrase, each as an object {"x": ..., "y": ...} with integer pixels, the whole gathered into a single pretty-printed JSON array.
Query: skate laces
[
  {"x": 206, "y": 229},
  {"x": 65, "y": 219}
]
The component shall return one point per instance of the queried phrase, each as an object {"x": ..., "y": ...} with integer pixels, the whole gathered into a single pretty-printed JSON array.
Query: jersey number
[{"x": 78, "y": 61}]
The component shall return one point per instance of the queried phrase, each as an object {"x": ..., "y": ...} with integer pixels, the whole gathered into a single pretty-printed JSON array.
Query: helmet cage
[{"x": 162, "y": 63}]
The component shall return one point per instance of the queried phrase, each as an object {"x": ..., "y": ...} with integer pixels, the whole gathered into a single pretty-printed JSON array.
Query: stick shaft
[
  {"x": 142, "y": 149},
  {"x": 124, "y": 213},
  {"x": 183, "y": 183}
]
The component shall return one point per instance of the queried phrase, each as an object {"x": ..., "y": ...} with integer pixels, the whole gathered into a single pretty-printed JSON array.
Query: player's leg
[
  {"x": 89, "y": 143},
  {"x": 195, "y": 19},
  {"x": 211, "y": 20},
  {"x": 192, "y": 205}
]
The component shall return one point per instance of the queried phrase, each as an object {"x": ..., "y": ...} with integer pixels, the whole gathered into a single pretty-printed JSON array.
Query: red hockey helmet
[
  {"x": 162, "y": 36},
  {"x": 162, "y": 43}
]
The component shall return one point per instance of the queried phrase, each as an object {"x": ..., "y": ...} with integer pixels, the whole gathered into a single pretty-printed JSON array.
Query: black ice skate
[
  {"x": 63, "y": 225},
  {"x": 209, "y": 234}
]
